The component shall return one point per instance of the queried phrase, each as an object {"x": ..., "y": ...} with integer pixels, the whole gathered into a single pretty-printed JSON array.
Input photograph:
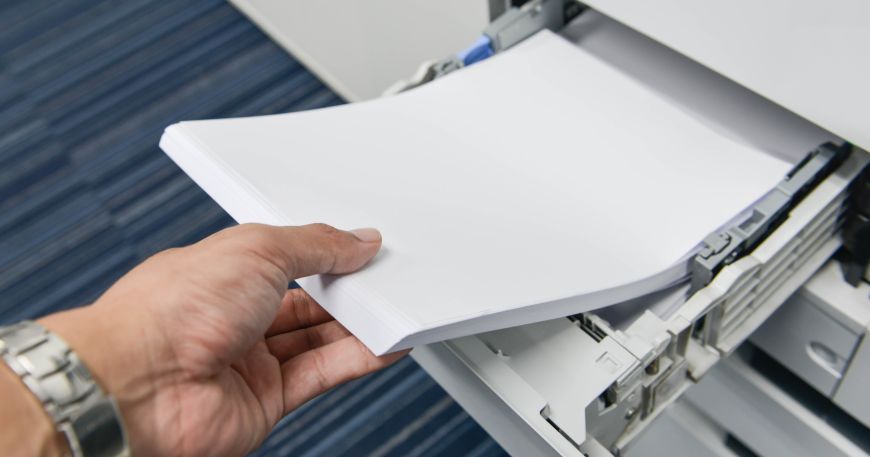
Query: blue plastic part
[{"x": 480, "y": 50}]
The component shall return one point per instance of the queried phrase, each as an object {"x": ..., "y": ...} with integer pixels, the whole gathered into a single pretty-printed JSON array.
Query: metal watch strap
[{"x": 88, "y": 418}]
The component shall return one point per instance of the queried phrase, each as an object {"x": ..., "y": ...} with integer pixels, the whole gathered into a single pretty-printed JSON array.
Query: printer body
[{"x": 789, "y": 277}]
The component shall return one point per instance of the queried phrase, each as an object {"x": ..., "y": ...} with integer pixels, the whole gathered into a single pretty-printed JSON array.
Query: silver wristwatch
[{"x": 88, "y": 418}]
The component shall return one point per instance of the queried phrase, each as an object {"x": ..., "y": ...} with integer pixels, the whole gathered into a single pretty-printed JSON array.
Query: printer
[{"x": 779, "y": 298}]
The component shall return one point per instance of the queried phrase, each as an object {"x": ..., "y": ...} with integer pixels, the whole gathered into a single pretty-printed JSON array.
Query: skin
[{"x": 203, "y": 347}]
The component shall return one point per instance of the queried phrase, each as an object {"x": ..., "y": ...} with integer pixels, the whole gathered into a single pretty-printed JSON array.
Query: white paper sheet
[{"x": 536, "y": 184}]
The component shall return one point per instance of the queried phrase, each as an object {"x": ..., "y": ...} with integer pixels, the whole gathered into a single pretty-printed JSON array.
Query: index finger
[{"x": 313, "y": 372}]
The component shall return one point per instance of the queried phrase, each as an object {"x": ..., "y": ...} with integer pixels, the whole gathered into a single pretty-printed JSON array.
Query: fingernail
[{"x": 367, "y": 235}]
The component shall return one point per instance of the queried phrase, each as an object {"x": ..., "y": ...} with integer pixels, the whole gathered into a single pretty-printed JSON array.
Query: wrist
[
  {"x": 111, "y": 344},
  {"x": 103, "y": 344},
  {"x": 27, "y": 428}
]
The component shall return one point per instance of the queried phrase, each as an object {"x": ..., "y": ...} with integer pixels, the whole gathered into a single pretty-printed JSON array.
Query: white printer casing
[{"x": 783, "y": 76}]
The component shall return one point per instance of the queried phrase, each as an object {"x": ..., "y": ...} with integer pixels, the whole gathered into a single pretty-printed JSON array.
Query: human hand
[{"x": 205, "y": 349}]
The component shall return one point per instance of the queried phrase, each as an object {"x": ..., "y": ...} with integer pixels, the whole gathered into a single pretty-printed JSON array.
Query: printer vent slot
[
  {"x": 699, "y": 327},
  {"x": 587, "y": 325},
  {"x": 565, "y": 435}
]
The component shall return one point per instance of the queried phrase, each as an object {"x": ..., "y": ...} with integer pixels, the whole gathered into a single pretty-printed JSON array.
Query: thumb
[{"x": 309, "y": 249}]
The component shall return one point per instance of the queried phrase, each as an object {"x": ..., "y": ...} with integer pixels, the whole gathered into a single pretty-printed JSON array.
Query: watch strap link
[{"x": 89, "y": 419}]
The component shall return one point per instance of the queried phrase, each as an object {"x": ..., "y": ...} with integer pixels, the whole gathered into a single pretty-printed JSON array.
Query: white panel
[
  {"x": 765, "y": 418},
  {"x": 808, "y": 342},
  {"x": 852, "y": 394},
  {"x": 359, "y": 48},
  {"x": 809, "y": 56}
]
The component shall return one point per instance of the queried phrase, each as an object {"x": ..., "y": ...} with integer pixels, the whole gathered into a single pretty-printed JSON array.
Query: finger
[
  {"x": 305, "y": 250},
  {"x": 288, "y": 345},
  {"x": 311, "y": 373},
  {"x": 298, "y": 310}
]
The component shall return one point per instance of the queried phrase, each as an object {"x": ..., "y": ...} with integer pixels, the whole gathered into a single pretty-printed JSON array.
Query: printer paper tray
[
  {"x": 557, "y": 387},
  {"x": 546, "y": 375}
]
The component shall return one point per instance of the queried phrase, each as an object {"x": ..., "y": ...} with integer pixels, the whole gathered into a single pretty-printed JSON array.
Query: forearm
[
  {"x": 27, "y": 430},
  {"x": 203, "y": 348}
]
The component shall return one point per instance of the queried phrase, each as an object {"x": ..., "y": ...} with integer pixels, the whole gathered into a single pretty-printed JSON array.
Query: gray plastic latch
[{"x": 725, "y": 246}]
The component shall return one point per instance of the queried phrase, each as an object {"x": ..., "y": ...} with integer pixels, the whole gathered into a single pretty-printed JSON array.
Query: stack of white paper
[{"x": 536, "y": 184}]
